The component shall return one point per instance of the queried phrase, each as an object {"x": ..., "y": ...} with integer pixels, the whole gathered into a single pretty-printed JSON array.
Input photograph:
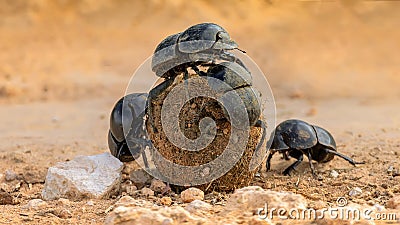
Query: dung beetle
[
  {"x": 296, "y": 138},
  {"x": 238, "y": 79},
  {"x": 197, "y": 45},
  {"x": 128, "y": 116},
  {"x": 206, "y": 45}
]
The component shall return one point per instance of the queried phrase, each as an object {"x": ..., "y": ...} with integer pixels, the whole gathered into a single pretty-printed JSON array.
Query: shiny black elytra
[
  {"x": 133, "y": 123},
  {"x": 296, "y": 138},
  {"x": 178, "y": 52}
]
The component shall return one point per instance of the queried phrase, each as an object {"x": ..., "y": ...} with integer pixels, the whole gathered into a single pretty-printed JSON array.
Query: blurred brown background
[
  {"x": 70, "y": 49},
  {"x": 64, "y": 64}
]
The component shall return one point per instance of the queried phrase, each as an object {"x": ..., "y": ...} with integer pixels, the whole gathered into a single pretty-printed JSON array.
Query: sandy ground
[{"x": 64, "y": 64}]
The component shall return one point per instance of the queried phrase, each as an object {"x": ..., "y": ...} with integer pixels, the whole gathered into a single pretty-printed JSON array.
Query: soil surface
[{"x": 65, "y": 63}]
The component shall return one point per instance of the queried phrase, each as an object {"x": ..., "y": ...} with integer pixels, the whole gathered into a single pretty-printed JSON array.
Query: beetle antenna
[
  {"x": 345, "y": 157},
  {"x": 243, "y": 51}
]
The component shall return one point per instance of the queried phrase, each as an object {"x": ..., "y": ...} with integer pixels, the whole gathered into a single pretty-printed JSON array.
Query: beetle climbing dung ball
[{"x": 193, "y": 59}]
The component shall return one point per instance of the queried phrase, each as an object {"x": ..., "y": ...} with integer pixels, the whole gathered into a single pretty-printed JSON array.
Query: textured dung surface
[{"x": 197, "y": 108}]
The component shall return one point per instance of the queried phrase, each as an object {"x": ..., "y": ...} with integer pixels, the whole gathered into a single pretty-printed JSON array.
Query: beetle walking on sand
[{"x": 296, "y": 138}]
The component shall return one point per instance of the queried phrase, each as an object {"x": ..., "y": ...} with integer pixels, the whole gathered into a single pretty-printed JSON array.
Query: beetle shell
[
  {"x": 205, "y": 36},
  {"x": 116, "y": 125},
  {"x": 249, "y": 98},
  {"x": 231, "y": 73},
  {"x": 325, "y": 138},
  {"x": 121, "y": 119},
  {"x": 165, "y": 56},
  {"x": 296, "y": 134},
  {"x": 113, "y": 144}
]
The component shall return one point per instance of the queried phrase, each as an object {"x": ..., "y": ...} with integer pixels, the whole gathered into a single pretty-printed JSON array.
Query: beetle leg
[
  {"x": 292, "y": 167},
  {"x": 200, "y": 73},
  {"x": 261, "y": 124},
  {"x": 285, "y": 156},
  {"x": 311, "y": 164},
  {"x": 345, "y": 157},
  {"x": 185, "y": 78},
  {"x": 268, "y": 163},
  {"x": 146, "y": 163}
]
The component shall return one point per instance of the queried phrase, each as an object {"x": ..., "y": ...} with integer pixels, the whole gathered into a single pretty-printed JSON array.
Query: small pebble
[
  {"x": 268, "y": 185},
  {"x": 35, "y": 204},
  {"x": 63, "y": 213},
  {"x": 334, "y": 174},
  {"x": 390, "y": 170},
  {"x": 166, "y": 201},
  {"x": 90, "y": 203},
  {"x": 125, "y": 201},
  {"x": 158, "y": 186},
  {"x": 355, "y": 191},
  {"x": 10, "y": 175},
  {"x": 147, "y": 192},
  {"x": 379, "y": 208},
  {"x": 198, "y": 205},
  {"x": 140, "y": 178},
  {"x": 192, "y": 194},
  {"x": 63, "y": 202},
  {"x": 130, "y": 190},
  {"x": 394, "y": 202}
]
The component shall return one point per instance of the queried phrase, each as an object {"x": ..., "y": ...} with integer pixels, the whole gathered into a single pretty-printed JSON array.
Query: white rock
[
  {"x": 94, "y": 176},
  {"x": 10, "y": 175},
  {"x": 254, "y": 197},
  {"x": 35, "y": 204},
  {"x": 355, "y": 191},
  {"x": 192, "y": 194},
  {"x": 334, "y": 174},
  {"x": 198, "y": 206},
  {"x": 128, "y": 201},
  {"x": 163, "y": 216},
  {"x": 379, "y": 208},
  {"x": 90, "y": 203}
]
